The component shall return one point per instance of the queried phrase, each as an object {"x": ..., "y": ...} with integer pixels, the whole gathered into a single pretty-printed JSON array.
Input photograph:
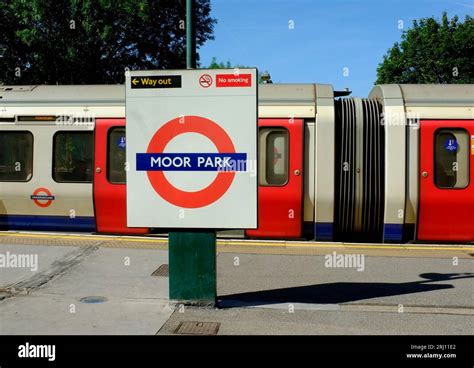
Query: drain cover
[
  {"x": 197, "y": 328},
  {"x": 162, "y": 271},
  {"x": 93, "y": 299}
]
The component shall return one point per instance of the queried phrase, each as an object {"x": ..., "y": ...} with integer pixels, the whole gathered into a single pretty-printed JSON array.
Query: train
[{"x": 395, "y": 167}]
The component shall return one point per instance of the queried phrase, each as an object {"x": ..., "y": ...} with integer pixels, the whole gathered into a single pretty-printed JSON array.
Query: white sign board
[{"x": 192, "y": 148}]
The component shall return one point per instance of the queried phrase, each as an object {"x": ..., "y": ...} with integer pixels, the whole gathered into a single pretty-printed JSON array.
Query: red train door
[
  {"x": 109, "y": 178},
  {"x": 280, "y": 179},
  {"x": 446, "y": 181}
]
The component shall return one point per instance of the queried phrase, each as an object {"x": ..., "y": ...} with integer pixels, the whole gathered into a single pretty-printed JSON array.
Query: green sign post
[
  {"x": 193, "y": 186},
  {"x": 192, "y": 267},
  {"x": 192, "y": 254}
]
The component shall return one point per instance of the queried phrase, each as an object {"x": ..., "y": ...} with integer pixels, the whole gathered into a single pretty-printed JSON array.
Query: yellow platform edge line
[{"x": 222, "y": 242}]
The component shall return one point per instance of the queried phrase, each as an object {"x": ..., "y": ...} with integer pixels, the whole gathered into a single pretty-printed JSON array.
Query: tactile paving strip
[
  {"x": 81, "y": 241},
  {"x": 48, "y": 241}
]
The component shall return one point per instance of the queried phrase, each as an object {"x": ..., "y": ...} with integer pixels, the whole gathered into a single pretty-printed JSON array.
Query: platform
[{"x": 264, "y": 287}]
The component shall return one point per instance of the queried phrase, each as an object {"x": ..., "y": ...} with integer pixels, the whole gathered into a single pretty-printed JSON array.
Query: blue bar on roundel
[{"x": 191, "y": 162}]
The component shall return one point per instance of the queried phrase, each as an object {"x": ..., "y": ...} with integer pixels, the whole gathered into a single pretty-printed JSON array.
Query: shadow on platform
[{"x": 339, "y": 292}]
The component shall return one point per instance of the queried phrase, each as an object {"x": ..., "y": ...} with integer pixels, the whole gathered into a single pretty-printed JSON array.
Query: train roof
[
  {"x": 271, "y": 94},
  {"x": 63, "y": 95},
  {"x": 427, "y": 94},
  {"x": 275, "y": 100}
]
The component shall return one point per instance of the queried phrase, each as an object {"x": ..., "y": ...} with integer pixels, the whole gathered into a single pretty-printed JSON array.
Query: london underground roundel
[
  {"x": 225, "y": 162},
  {"x": 42, "y": 197}
]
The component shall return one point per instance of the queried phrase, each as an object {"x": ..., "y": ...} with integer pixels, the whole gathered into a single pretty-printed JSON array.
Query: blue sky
[{"x": 328, "y": 36}]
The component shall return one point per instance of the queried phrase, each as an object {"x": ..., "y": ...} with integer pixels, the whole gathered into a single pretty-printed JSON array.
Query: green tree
[
  {"x": 227, "y": 65},
  {"x": 221, "y": 65},
  {"x": 94, "y": 41},
  {"x": 431, "y": 52}
]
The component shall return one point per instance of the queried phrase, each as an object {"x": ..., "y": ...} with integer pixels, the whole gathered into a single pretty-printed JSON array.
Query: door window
[
  {"x": 451, "y": 158},
  {"x": 116, "y": 156},
  {"x": 273, "y": 156},
  {"x": 16, "y": 156},
  {"x": 73, "y": 157}
]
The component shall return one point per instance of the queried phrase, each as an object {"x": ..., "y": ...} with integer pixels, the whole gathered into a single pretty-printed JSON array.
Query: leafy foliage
[
  {"x": 431, "y": 52},
  {"x": 94, "y": 41},
  {"x": 221, "y": 65}
]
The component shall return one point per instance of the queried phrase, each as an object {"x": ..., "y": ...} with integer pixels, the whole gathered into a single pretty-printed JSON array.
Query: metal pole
[
  {"x": 190, "y": 35},
  {"x": 192, "y": 252}
]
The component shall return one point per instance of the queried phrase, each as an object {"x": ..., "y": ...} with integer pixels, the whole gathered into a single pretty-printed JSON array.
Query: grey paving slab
[
  {"x": 111, "y": 272},
  {"x": 136, "y": 301},
  {"x": 256, "y": 321},
  {"x": 43, "y": 314},
  {"x": 46, "y": 256}
]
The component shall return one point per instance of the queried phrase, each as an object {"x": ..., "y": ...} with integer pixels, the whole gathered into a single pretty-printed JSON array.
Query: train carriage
[{"x": 394, "y": 167}]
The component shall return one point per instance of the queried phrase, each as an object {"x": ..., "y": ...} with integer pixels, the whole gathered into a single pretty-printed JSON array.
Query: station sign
[{"x": 191, "y": 147}]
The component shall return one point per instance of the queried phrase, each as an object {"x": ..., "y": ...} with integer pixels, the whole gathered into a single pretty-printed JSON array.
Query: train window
[
  {"x": 273, "y": 156},
  {"x": 16, "y": 156},
  {"x": 72, "y": 157},
  {"x": 116, "y": 156},
  {"x": 452, "y": 158}
]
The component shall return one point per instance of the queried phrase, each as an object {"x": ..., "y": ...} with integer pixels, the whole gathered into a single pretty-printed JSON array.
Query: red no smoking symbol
[
  {"x": 223, "y": 180},
  {"x": 205, "y": 80}
]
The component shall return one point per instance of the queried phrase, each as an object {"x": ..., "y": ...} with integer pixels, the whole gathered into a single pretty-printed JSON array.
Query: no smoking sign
[
  {"x": 205, "y": 80},
  {"x": 192, "y": 151}
]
